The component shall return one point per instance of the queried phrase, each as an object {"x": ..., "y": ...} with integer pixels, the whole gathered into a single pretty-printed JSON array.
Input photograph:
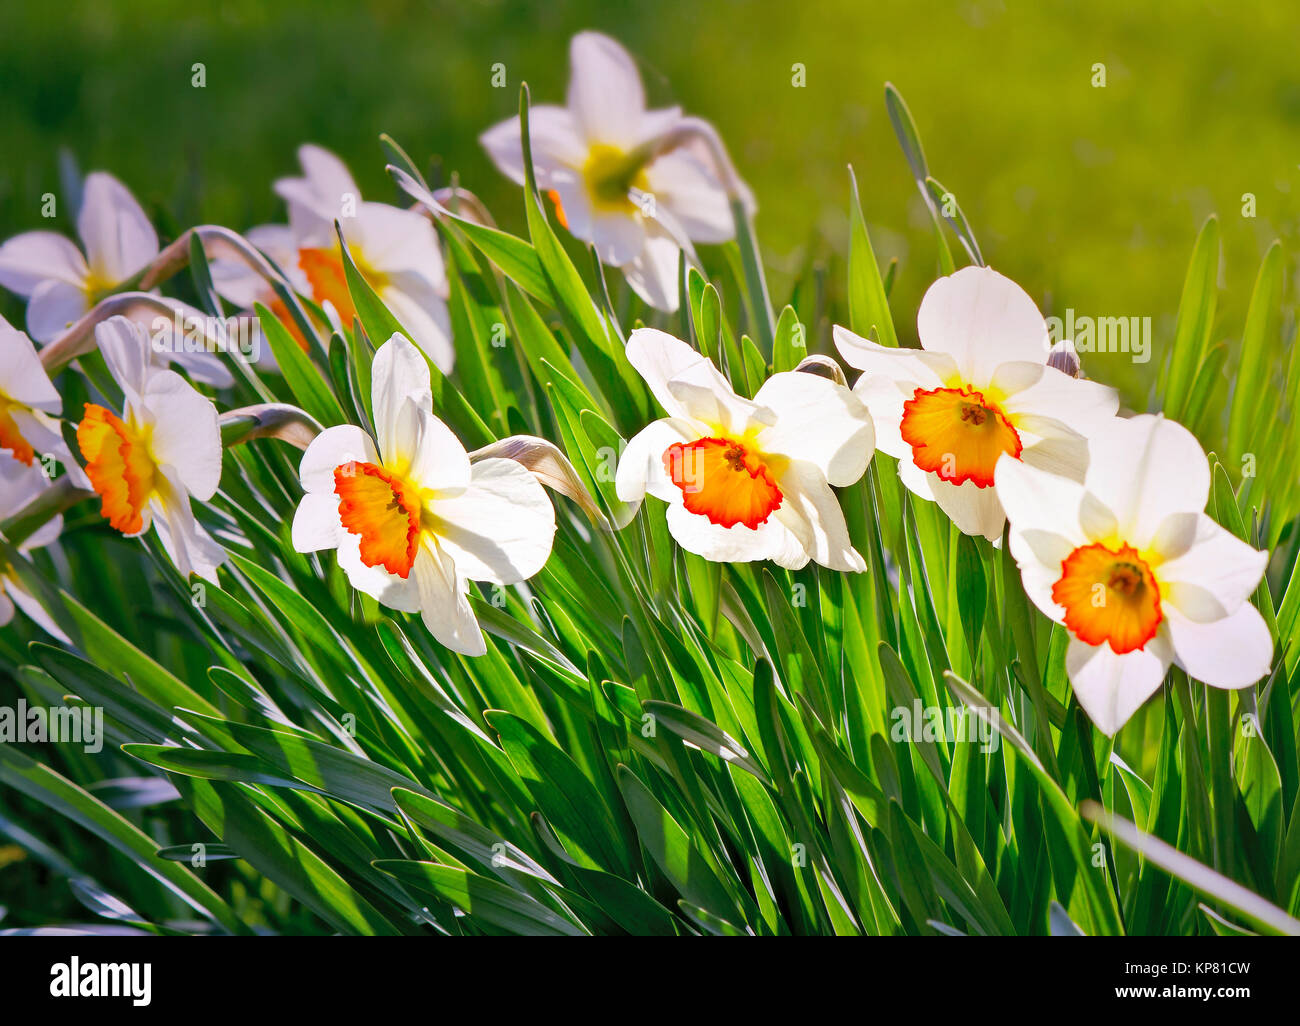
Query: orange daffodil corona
[
  {"x": 1130, "y": 564},
  {"x": 639, "y": 185},
  {"x": 411, "y": 519},
  {"x": 979, "y": 388},
  {"x": 164, "y": 448},
  {"x": 746, "y": 479}
]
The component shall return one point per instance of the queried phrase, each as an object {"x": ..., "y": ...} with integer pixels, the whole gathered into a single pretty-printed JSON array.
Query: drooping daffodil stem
[
  {"x": 217, "y": 242},
  {"x": 268, "y": 420},
  {"x": 79, "y": 339}
]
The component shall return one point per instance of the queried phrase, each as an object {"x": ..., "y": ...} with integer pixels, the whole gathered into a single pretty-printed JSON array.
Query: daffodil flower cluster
[{"x": 1104, "y": 514}]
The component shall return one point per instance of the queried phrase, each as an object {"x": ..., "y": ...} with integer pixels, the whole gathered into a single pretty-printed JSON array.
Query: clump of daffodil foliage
[{"x": 382, "y": 572}]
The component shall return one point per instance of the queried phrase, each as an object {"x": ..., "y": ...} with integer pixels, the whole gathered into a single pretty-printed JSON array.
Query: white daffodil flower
[
  {"x": 29, "y": 406},
  {"x": 746, "y": 479},
  {"x": 979, "y": 387},
  {"x": 57, "y": 280},
  {"x": 395, "y": 250},
  {"x": 1128, "y": 561},
  {"x": 412, "y": 520},
  {"x": 20, "y": 484},
  {"x": 639, "y": 185},
  {"x": 164, "y": 449}
]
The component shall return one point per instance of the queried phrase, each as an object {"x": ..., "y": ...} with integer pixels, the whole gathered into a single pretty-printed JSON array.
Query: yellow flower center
[
  {"x": 1110, "y": 596},
  {"x": 120, "y": 466},
  {"x": 958, "y": 434},
  {"x": 609, "y": 173}
]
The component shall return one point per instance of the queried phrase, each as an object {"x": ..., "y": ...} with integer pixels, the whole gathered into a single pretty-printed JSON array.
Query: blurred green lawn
[{"x": 1091, "y": 197}]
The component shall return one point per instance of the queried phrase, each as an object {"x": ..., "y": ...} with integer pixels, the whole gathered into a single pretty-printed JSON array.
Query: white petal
[
  {"x": 1112, "y": 687},
  {"x": 1215, "y": 575},
  {"x": 1039, "y": 555},
  {"x": 820, "y": 422},
  {"x": 19, "y": 485},
  {"x": 438, "y": 461},
  {"x": 976, "y": 511},
  {"x": 499, "y": 529},
  {"x": 555, "y": 138},
  {"x": 641, "y": 467},
  {"x": 1230, "y": 653},
  {"x": 916, "y": 480},
  {"x": 806, "y": 495},
  {"x": 653, "y": 272},
  {"x": 1044, "y": 511},
  {"x": 1053, "y": 447},
  {"x": 618, "y": 237},
  {"x": 316, "y": 523},
  {"x": 118, "y": 237},
  {"x": 739, "y": 544},
  {"x": 419, "y": 308},
  {"x": 387, "y": 589},
  {"x": 276, "y": 241},
  {"x": 238, "y": 283},
  {"x": 398, "y": 373},
  {"x": 327, "y": 175},
  {"x": 1035, "y": 499},
  {"x": 29, "y": 259},
  {"x": 186, "y": 435},
  {"x": 47, "y": 534},
  {"x": 982, "y": 320},
  {"x": 393, "y": 241},
  {"x": 126, "y": 350},
  {"x": 22, "y": 376},
  {"x": 6, "y": 604},
  {"x": 321, "y": 196},
  {"x": 444, "y": 607},
  {"x": 54, "y": 307},
  {"x": 605, "y": 92},
  {"x": 718, "y": 408},
  {"x": 328, "y": 451},
  {"x": 185, "y": 540},
  {"x": 683, "y": 184},
  {"x": 660, "y": 358},
  {"x": 571, "y": 189},
  {"x": 1144, "y": 469},
  {"x": 884, "y": 400},
  {"x": 1077, "y": 402}
]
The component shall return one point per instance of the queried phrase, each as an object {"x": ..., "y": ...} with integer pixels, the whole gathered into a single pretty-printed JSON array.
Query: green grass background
[{"x": 1089, "y": 196}]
